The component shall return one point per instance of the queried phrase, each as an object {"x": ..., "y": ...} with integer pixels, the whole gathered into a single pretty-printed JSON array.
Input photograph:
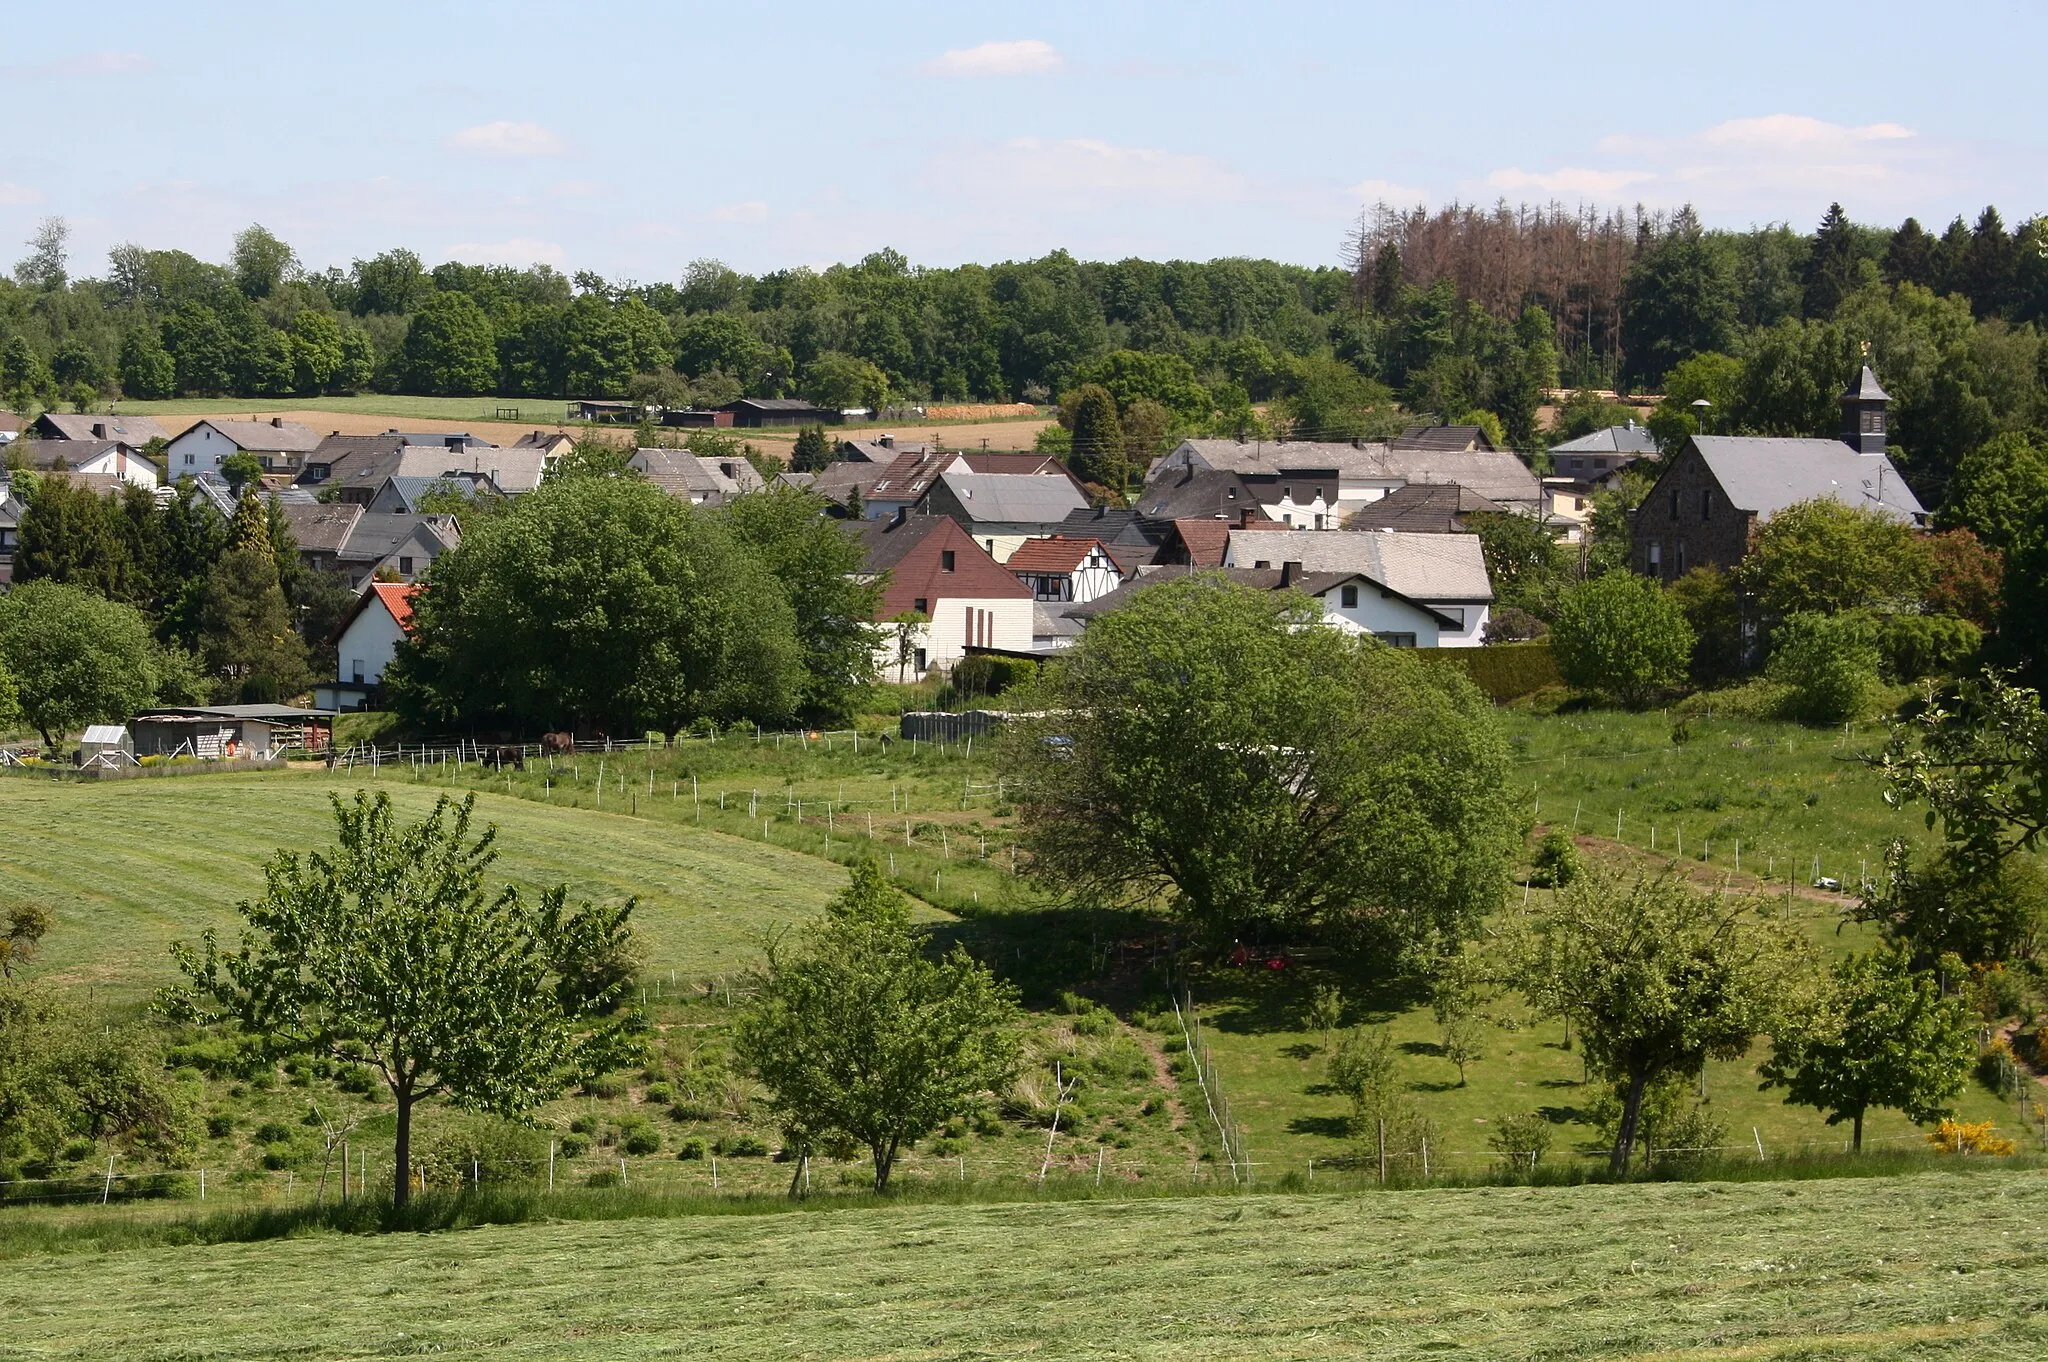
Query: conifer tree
[
  {"x": 1831, "y": 264},
  {"x": 247, "y": 638},
  {"x": 1098, "y": 439}
]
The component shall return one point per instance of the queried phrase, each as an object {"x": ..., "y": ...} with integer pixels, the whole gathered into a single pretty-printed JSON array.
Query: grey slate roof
[
  {"x": 1013, "y": 498},
  {"x": 1422, "y": 567},
  {"x": 133, "y": 430},
  {"x": 263, "y": 437},
  {"x": 1765, "y": 475},
  {"x": 1421, "y": 508},
  {"x": 1443, "y": 438},
  {"x": 1493, "y": 474},
  {"x": 1198, "y": 495},
  {"x": 1628, "y": 439},
  {"x": 1865, "y": 388}
]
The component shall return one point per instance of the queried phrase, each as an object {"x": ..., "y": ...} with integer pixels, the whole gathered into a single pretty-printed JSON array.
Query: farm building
[
  {"x": 779, "y": 411},
  {"x": 229, "y": 732},
  {"x": 106, "y": 745}
]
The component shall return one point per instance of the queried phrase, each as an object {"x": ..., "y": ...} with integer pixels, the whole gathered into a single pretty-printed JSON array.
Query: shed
[{"x": 106, "y": 745}]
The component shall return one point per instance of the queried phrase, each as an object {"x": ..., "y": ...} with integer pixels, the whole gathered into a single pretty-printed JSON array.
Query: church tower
[{"x": 1863, "y": 414}]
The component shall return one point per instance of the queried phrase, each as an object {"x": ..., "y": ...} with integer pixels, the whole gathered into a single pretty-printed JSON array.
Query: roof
[
  {"x": 445, "y": 439},
  {"x": 543, "y": 439},
  {"x": 835, "y": 481},
  {"x": 1628, "y": 439},
  {"x": 1206, "y": 540},
  {"x": 395, "y": 597},
  {"x": 97, "y": 483},
  {"x": 1443, "y": 438},
  {"x": 1765, "y": 475},
  {"x": 1048, "y": 621},
  {"x": 1495, "y": 475},
  {"x": 1271, "y": 458},
  {"x": 909, "y": 549},
  {"x": 278, "y": 437},
  {"x": 681, "y": 473},
  {"x": 104, "y": 733},
  {"x": 346, "y": 530},
  {"x": 322, "y": 527},
  {"x": 1194, "y": 493},
  {"x": 274, "y": 713},
  {"x": 1865, "y": 388},
  {"x": 44, "y": 454},
  {"x": 887, "y": 449},
  {"x": 1423, "y": 567},
  {"x": 776, "y": 404},
  {"x": 908, "y": 477},
  {"x": 410, "y": 488},
  {"x": 1057, "y": 554},
  {"x": 514, "y": 470},
  {"x": 136, "y": 430},
  {"x": 1012, "y": 498},
  {"x": 1422, "y": 508}
]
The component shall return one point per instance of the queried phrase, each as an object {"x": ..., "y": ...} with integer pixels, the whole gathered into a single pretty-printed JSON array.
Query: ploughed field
[{"x": 1932, "y": 1265}]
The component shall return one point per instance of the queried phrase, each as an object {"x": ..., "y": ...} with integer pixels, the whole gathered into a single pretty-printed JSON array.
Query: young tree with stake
[{"x": 388, "y": 949}]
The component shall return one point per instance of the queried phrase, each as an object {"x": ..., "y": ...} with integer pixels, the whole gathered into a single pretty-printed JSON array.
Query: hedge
[{"x": 1505, "y": 671}]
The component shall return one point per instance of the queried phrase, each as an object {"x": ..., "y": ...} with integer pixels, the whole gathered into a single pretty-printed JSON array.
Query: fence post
[
  {"x": 108, "y": 1189},
  {"x": 1383, "y": 1153}
]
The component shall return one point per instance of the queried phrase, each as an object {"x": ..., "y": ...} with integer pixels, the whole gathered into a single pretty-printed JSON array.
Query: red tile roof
[
  {"x": 397, "y": 598},
  {"x": 1057, "y": 554}
]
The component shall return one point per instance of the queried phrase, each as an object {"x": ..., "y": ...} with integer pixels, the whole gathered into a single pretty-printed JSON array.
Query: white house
[
  {"x": 935, "y": 570},
  {"x": 1445, "y": 573},
  {"x": 369, "y": 640},
  {"x": 281, "y": 445},
  {"x": 1318, "y": 485},
  {"x": 103, "y": 458}
]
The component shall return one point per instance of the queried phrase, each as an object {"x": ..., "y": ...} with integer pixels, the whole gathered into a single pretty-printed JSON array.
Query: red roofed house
[
  {"x": 368, "y": 641},
  {"x": 1062, "y": 569},
  {"x": 935, "y": 568}
]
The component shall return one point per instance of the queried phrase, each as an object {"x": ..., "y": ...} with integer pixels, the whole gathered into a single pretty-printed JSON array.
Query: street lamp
[{"x": 1700, "y": 408}]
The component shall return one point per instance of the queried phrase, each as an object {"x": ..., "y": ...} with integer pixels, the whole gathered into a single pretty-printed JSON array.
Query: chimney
[
  {"x": 886, "y": 441},
  {"x": 1290, "y": 573},
  {"x": 1244, "y": 518},
  {"x": 99, "y": 430},
  {"x": 277, "y": 421},
  {"x": 454, "y": 441}
]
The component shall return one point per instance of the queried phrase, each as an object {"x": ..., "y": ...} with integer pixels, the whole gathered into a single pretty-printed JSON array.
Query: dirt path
[
  {"x": 1704, "y": 873},
  {"x": 1162, "y": 1072}
]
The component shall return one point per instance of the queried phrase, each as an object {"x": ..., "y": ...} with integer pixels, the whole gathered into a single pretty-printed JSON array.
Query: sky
[{"x": 632, "y": 138}]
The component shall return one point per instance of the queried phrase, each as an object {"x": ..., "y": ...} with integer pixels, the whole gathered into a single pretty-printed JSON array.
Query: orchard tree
[
  {"x": 388, "y": 949},
  {"x": 1224, "y": 749},
  {"x": 858, "y": 1036},
  {"x": 1658, "y": 977},
  {"x": 1623, "y": 637},
  {"x": 1887, "y": 1037},
  {"x": 76, "y": 657}
]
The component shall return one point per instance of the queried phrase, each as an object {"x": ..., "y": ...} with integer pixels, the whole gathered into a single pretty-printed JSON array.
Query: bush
[
  {"x": 574, "y": 1146},
  {"x": 1913, "y": 646},
  {"x": 273, "y": 1132},
  {"x": 1829, "y": 661},
  {"x": 609, "y": 1086},
  {"x": 1621, "y": 637},
  {"x": 1557, "y": 861},
  {"x": 356, "y": 1078},
  {"x": 658, "y": 1093},
  {"x": 1521, "y": 1141},
  {"x": 604, "y": 1177},
  {"x": 1512, "y": 624},
  {"x": 481, "y": 1149},
  {"x": 741, "y": 1147},
  {"x": 642, "y": 1139},
  {"x": 690, "y": 1149},
  {"x": 220, "y": 1124},
  {"x": 982, "y": 675}
]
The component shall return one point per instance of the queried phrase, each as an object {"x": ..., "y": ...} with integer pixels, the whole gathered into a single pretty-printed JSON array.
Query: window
[
  {"x": 1674, "y": 503},
  {"x": 1396, "y": 640},
  {"x": 1319, "y": 497},
  {"x": 946, "y": 560},
  {"x": 405, "y": 567},
  {"x": 1656, "y": 557},
  {"x": 1288, "y": 493},
  {"x": 1350, "y": 597},
  {"x": 1873, "y": 421},
  {"x": 1319, "y": 521},
  {"x": 1706, "y": 503},
  {"x": 1578, "y": 503},
  {"x": 919, "y": 660},
  {"x": 1678, "y": 559},
  {"x": 1578, "y": 463},
  {"x": 922, "y": 605},
  {"x": 189, "y": 456},
  {"x": 991, "y": 546}
]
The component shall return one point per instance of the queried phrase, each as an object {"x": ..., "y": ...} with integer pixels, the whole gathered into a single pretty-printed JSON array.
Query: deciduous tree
[
  {"x": 76, "y": 657},
  {"x": 1622, "y": 637}
]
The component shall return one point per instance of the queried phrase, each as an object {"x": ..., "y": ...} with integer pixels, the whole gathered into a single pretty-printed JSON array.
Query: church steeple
[{"x": 1863, "y": 413}]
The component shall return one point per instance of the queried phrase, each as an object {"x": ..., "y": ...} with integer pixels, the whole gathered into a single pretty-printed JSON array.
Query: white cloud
[
  {"x": 12, "y": 194},
  {"x": 84, "y": 65},
  {"x": 752, "y": 210},
  {"x": 1570, "y": 181},
  {"x": 506, "y": 138},
  {"x": 520, "y": 250},
  {"x": 1024, "y": 57},
  {"x": 1796, "y": 134}
]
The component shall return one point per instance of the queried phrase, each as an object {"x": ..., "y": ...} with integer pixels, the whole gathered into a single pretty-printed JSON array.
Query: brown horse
[
  {"x": 558, "y": 744},
  {"x": 501, "y": 757}
]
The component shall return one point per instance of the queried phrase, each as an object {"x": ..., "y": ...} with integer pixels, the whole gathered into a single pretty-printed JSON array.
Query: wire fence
[{"x": 1229, "y": 1134}]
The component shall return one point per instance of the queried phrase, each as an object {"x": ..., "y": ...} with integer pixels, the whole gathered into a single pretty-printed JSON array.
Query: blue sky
[{"x": 631, "y": 138}]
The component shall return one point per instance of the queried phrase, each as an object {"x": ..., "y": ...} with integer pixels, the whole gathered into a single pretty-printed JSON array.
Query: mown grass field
[
  {"x": 129, "y": 866},
  {"x": 1933, "y": 1265}
]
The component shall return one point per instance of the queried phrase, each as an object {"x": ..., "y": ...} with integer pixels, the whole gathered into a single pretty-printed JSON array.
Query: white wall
[
  {"x": 368, "y": 645},
  {"x": 201, "y": 449},
  {"x": 1475, "y": 614},
  {"x": 130, "y": 468},
  {"x": 999, "y": 623},
  {"x": 1377, "y": 614}
]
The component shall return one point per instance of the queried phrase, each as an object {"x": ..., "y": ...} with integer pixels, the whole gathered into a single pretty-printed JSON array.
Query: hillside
[{"x": 1939, "y": 1265}]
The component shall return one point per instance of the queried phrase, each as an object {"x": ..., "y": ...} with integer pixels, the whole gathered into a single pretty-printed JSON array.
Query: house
[
  {"x": 339, "y": 456},
  {"x": 348, "y": 537},
  {"x": 13, "y": 506},
  {"x": 1205, "y": 542},
  {"x": 1059, "y": 569},
  {"x": 460, "y": 440},
  {"x": 692, "y": 417},
  {"x": 10, "y": 428},
  {"x": 1320, "y": 485},
  {"x": 368, "y": 640},
  {"x": 779, "y": 411},
  {"x": 883, "y": 449},
  {"x": 935, "y": 569},
  {"x": 1443, "y": 439},
  {"x": 403, "y": 494},
  {"x": 1714, "y": 494},
  {"x": 1194, "y": 493},
  {"x": 1002, "y": 510},
  {"x": 112, "y": 459},
  {"x": 1602, "y": 454},
  {"x": 133, "y": 431},
  {"x": 902, "y": 484},
  {"x": 1353, "y": 602},
  {"x": 282, "y": 446},
  {"x": 552, "y": 444},
  {"x": 614, "y": 412},
  {"x": 514, "y": 470},
  {"x": 1422, "y": 508},
  {"x": 698, "y": 479},
  {"x": 1444, "y": 572}
]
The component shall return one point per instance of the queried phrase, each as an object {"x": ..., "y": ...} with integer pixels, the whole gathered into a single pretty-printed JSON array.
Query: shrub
[
  {"x": 691, "y": 1149},
  {"x": 1830, "y": 663},
  {"x": 1504, "y": 671},
  {"x": 608, "y": 1086},
  {"x": 1557, "y": 861},
  {"x": 1959, "y": 1137},
  {"x": 276, "y": 1158},
  {"x": 1913, "y": 646},
  {"x": 586, "y": 1124},
  {"x": 220, "y": 1124},
  {"x": 642, "y": 1139},
  {"x": 1521, "y": 1141},
  {"x": 741, "y": 1147},
  {"x": 1512, "y": 624},
  {"x": 688, "y": 1110},
  {"x": 273, "y": 1132},
  {"x": 659, "y": 1093},
  {"x": 574, "y": 1146},
  {"x": 1621, "y": 637},
  {"x": 604, "y": 1177},
  {"x": 481, "y": 1149},
  {"x": 356, "y": 1078}
]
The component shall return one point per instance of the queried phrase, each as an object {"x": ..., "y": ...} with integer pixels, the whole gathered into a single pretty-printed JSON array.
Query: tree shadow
[
  {"x": 1301, "y": 1050},
  {"x": 1332, "y": 1127},
  {"x": 1422, "y": 1047},
  {"x": 1450, "y": 1086},
  {"x": 1256, "y": 1000},
  {"x": 1559, "y": 1083},
  {"x": 1561, "y": 1116},
  {"x": 1115, "y": 956}
]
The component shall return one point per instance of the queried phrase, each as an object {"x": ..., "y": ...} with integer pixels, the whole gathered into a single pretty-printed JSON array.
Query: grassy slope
[
  {"x": 129, "y": 866},
  {"x": 1939, "y": 1265}
]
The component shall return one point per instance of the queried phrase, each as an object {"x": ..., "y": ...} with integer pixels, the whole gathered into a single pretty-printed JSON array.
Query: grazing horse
[
  {"x": 501, "y": 757},
  {"x": 558, "y": 744}
]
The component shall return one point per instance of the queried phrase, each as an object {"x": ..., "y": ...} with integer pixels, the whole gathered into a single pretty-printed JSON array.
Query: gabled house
[
  {"x": 1205, "y": 542},
  {"x": 92, "y": 458},
  {"x": 1059, "y": 569},
  {"x": 1715, "y": 494},
  {"x": 882, "y": 450},
  {"x": 935, "y": 569},
  {"x": 282, "y": 446},
  {"x": 1444, "y": 572},
  {"x": 133, "y": 431},
  {"x": 1132, "y": 540},
  {"x": 1296, "y": 482},
  {"x": 368, "y": 640},
  {"x": 1443, "y": 439},
  {"x": 1422, "y": 508},
  {"x": 365, "y": 460},
  {"x": 403, "y": 494},
  {"x": 1353, "y": 602},
  {"x": 696, "y": 478},
  {"x": 1002, "y": 510},
  {"x": 349, "y": 538},
  {"x": 552, "y": 444},
  {"x": 12, "y": 508}
]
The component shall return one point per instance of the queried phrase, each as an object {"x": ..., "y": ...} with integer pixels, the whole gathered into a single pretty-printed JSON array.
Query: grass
[
  {"x": 129, "y": 866},
  {"x": 544, "y": 410},
  {"x": 1940, "y": 1265}
]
